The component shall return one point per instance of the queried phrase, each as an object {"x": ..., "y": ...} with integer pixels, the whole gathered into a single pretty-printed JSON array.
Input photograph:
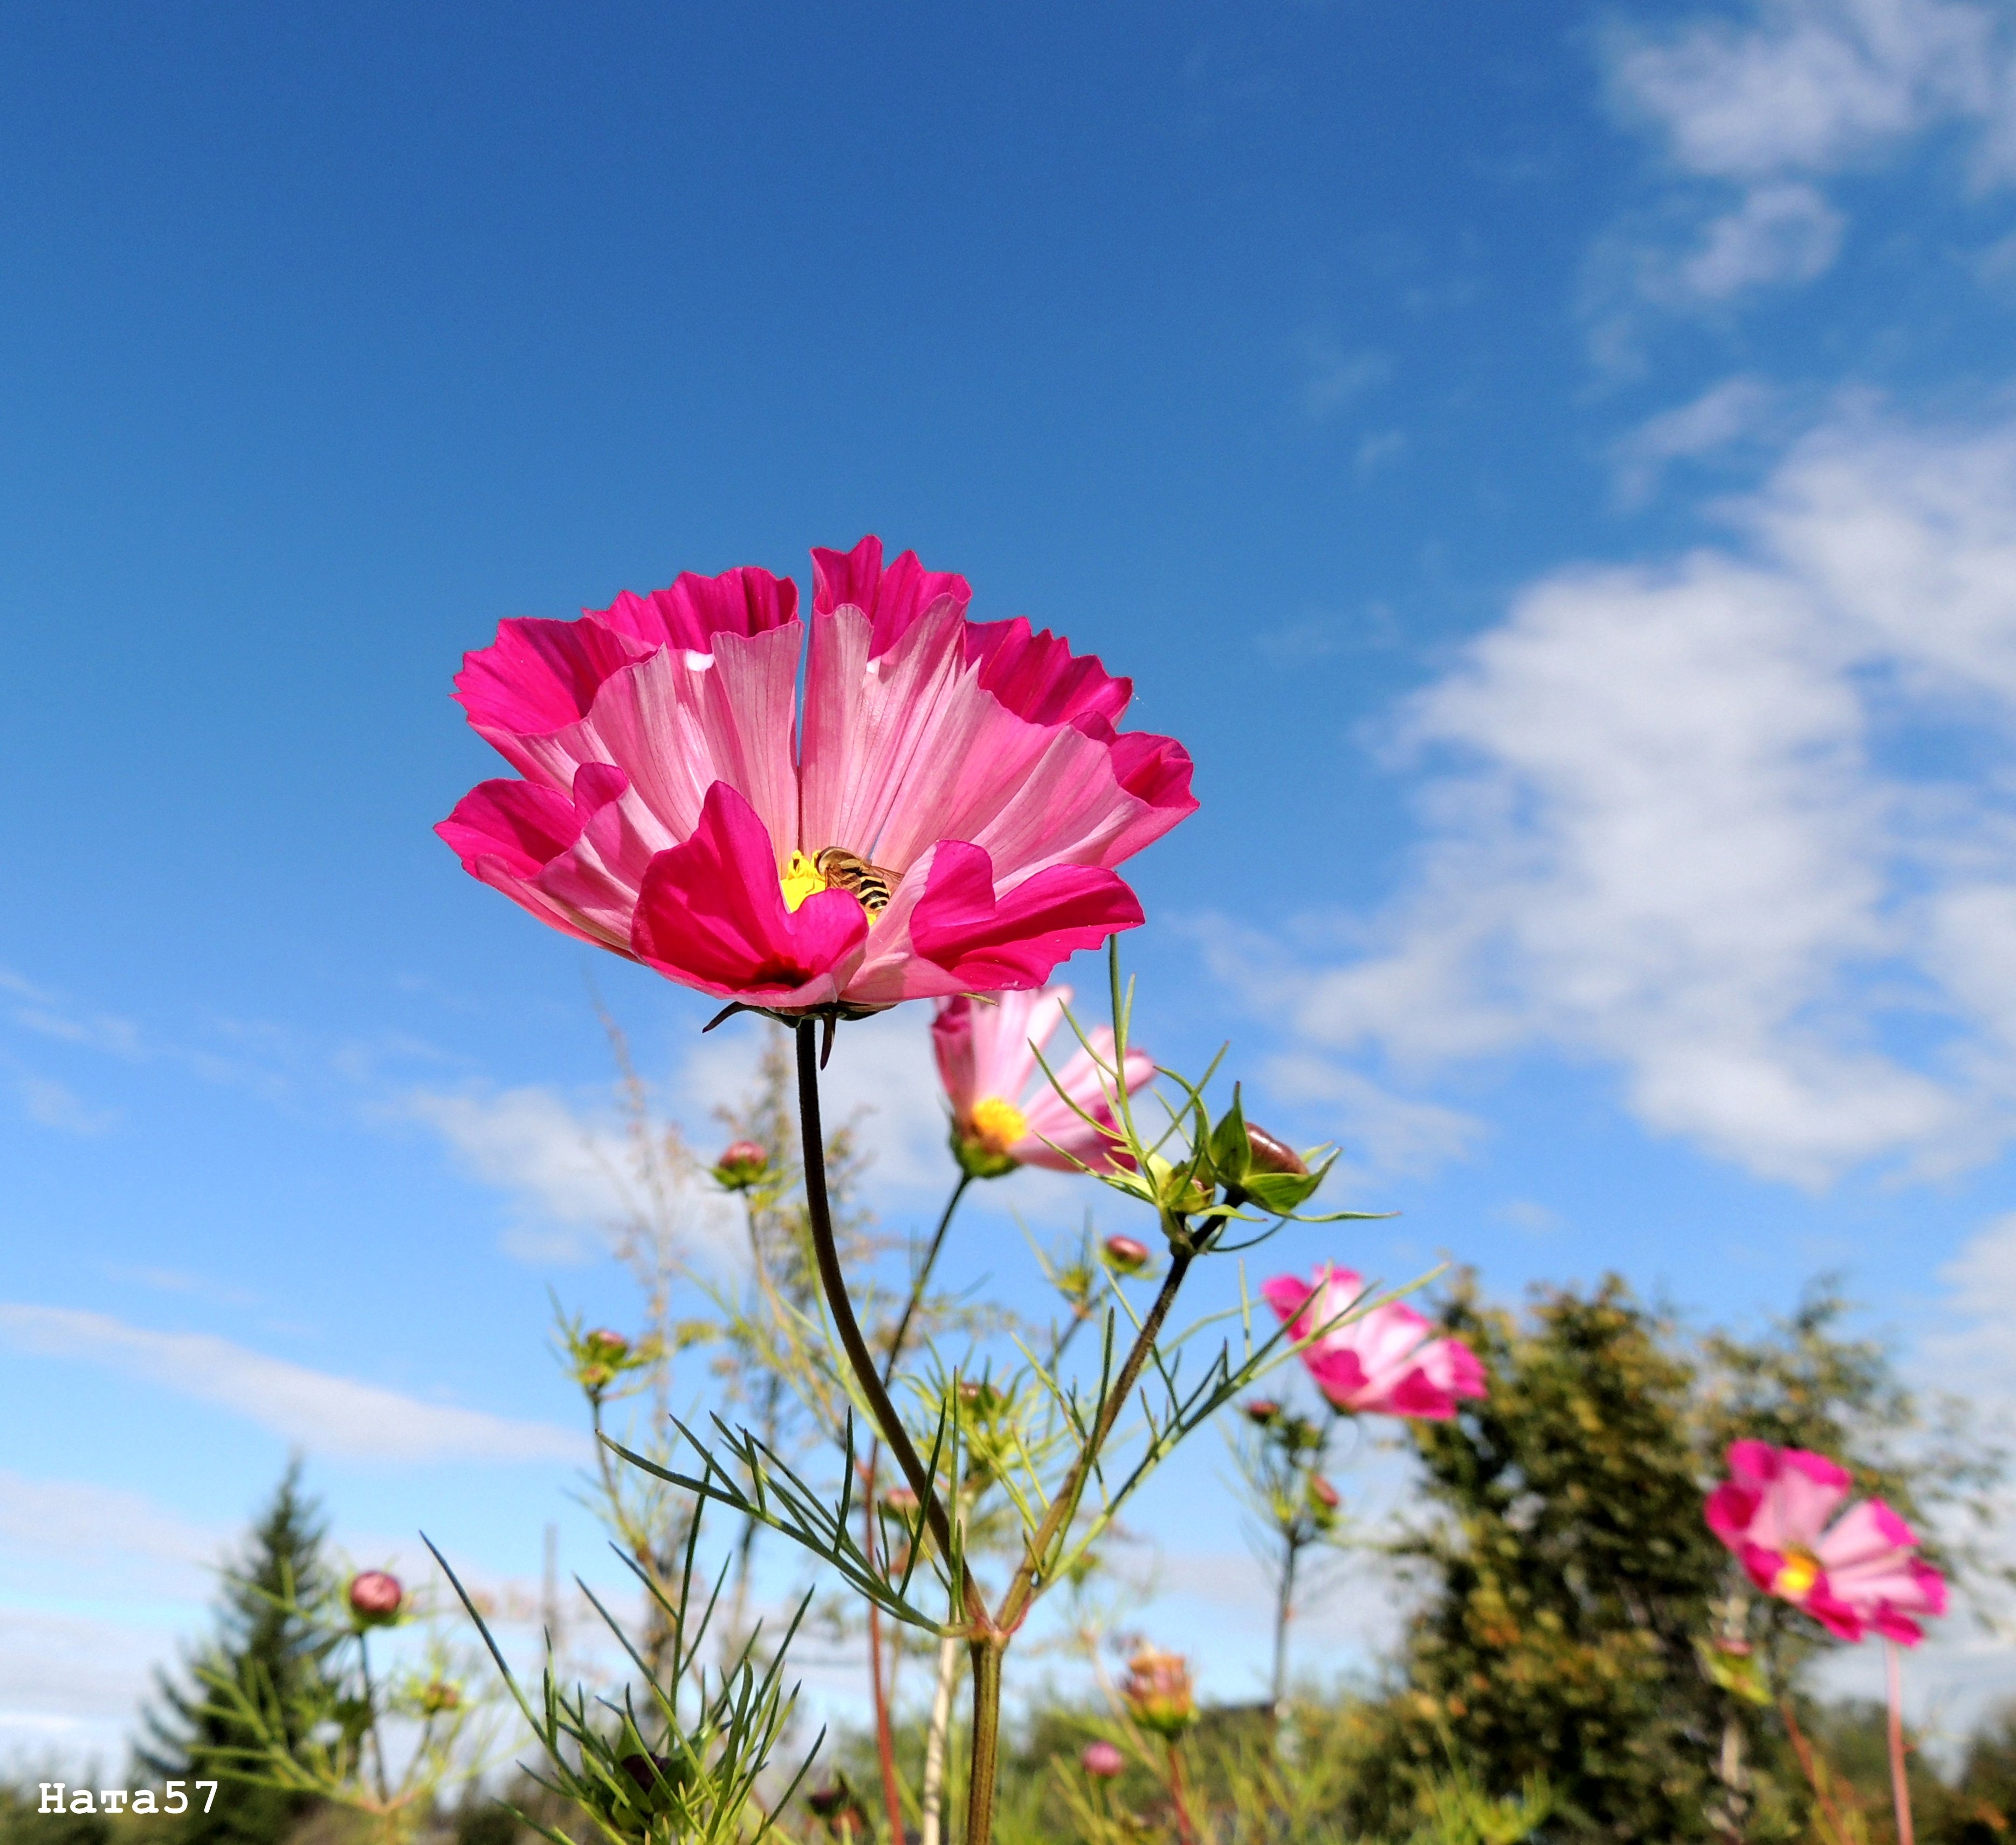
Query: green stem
[
  {"x": 986, "y": 1654},
  {"x": 833, "y": 1283},
  {"x": 1900, "y": 1783},
  {"x": 371, "y": 1704},
  {"x": 1022, "y": 1591},
  {"x": 1284, "y": 1608}
]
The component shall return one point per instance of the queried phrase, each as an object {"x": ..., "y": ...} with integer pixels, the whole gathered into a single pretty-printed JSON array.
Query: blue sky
[{"x": 1554, "y": 467}]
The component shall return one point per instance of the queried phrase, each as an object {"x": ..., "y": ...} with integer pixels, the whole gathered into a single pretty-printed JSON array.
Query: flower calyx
[
  {"x": 1158, "y": 1693},
  {"x": 599, "y": 1358},
  {"x": 1258, "y": 1168},
  {"x": 978, "y": 1157},
  {"x": 742, "y": 1167}
]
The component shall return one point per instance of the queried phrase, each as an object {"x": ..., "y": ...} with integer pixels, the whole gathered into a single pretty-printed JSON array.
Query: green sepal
[
  {"x": 1741, "y": 1674},
  {"x": 1231, "y": 1150}
]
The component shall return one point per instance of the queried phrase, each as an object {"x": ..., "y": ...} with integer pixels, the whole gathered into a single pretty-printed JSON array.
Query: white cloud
[
  {"x": 1807, "y": 86},
  {"x": 1682, "y": 825},
  {"x": 534, "y": 1142},
  {"x": 71, "y": 1529},
  {"x": 1336, "y": 379},
  {"x": 1754, "y": 111},
  {"x": 55, "y": 1105},
  {"x": 314, "y": 1410},
  {"x": 1722, "y": 416},
  {"x": 1396, "y": 1134},
  {"x": 568, "y": 1164},
  {"x": 1780, "y": 233}
]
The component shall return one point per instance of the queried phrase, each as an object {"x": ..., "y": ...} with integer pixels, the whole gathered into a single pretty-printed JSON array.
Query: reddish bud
[
  {"x": 902, "y": 1501},
  {"x": 741, "y": 1165},
  {"x": 1158, "y": 1692},
  {"x": 375, "y": 1597},
  {"x": 1125, "y": 1255},
  {"x": 1262, "y": 1410},
  {"x": 1324, "y": 1493},
  {"x": 1271, "y": 1154},
  {"x": 1102, "y": 1759}
]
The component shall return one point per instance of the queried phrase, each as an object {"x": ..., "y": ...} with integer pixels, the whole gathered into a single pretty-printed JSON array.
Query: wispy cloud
[
  {"x": 78, "y": 1524},
  {"x": 1723, "y": 416},
  {"x": 317, "y": 1411},
  {"x": 1333, "y": 378},
  {"x": 52, "y": 1104},
  {"x": 1754, "y": 113},
  {"x": 1807, "y": 86},
  {"x": 1680, "y": 822}
]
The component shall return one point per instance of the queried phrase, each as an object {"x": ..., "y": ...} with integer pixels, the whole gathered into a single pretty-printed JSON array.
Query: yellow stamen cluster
[
  {"x": 801, "y": 879},
  {"x": 998, "y": 1126},
  {"x": 1799, "y": 1572}
]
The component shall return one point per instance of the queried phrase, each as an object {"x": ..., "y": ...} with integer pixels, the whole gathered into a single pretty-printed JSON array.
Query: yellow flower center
[
  {"x": 998, "y": 1126},
  {"x": 1799, "y": 1572},
  {"x": 801, "y": 879}
]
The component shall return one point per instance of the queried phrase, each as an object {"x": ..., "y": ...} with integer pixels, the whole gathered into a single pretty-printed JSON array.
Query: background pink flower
[
  {"x": 1386, "y": 1362},
  {"x": 1002, "y": 1104},
  {"x": 1861, "y": 1574},
  {"x": 675, "y": 805}
]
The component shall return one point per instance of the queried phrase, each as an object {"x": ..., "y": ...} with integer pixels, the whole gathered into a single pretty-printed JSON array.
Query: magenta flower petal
[
  {"x": 1386, "y": 1361},
  {"x": 986, "y": 942},
  {"x": 1859, "y": 1574},
  {"x": 892, "y": 599},
  {"x": 1037, "y": 675},
  {"x": 1059, "y": 1136},
  {"x": 925, "y": 738},
  {"x": 988, "y": 1054},
  {"x": 509, "y": 833},
  {"x": 711, "y": 914},
  {"x": 696, "y": 609},
  {"x": 538, "y": 677}
]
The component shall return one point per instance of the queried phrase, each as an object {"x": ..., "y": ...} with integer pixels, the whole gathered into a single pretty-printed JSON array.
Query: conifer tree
[{"x": 259, "y": 1630}]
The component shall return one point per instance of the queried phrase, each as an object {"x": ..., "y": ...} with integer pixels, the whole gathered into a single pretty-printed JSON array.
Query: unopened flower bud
[
  {"x": 1159, "y": 1693},
  {"x": 1125, "y": 1256},
  {"x": 900, "y": 1500},
  {"x": 375, "y": 1598},
  {"x": 1262, "y": 1410},
  {"x": 839, "y": 1808},
  {"x": 1101, "y": 1759},
  {"x": 658, "y": 1779},
  {"x": 983, "y": 1400},
  {"x": 438, "y": 1695},
  {"x": 1271, "y": 1153},
  {"x": 601, "y": 1356},
  {"x": 741, "y": 1165},
  {"x": 1323, "y": 1494}
]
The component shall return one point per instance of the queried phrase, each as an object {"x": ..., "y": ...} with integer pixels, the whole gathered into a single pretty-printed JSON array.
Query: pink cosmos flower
[
  {"x": 1383, "y": 1363},
  {"x": 943, "y": 815},
  {"x": 1859, "y": 1575},
  {"x": 987, "y": 1058}
]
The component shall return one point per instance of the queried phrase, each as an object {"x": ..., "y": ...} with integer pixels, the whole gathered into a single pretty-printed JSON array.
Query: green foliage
[
  {"x": 660, "y": 1776},
  {"x": 1572, "y": 1569},
  {"x": 1984, "y": 1807},
  {"x": 262, "y": 1632},
  {"x": 1575, "y": 1590}
]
